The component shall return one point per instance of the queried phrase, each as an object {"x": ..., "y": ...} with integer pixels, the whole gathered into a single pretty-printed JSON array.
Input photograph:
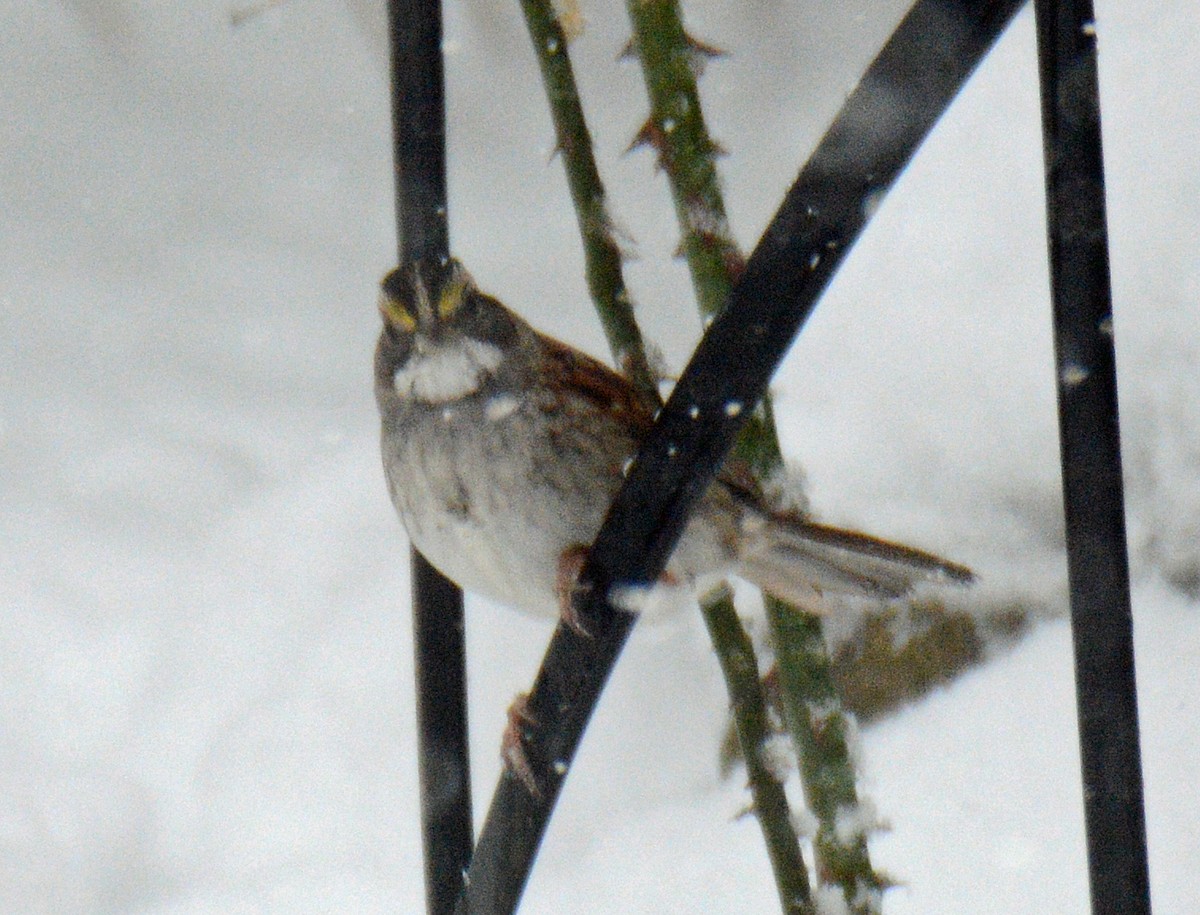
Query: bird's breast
[{"x": 492, "y": 493}]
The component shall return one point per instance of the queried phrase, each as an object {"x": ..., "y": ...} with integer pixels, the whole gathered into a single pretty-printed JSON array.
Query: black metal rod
[
  {"x": 1090, "y": 439},
  {"x": 419, "y": 135},
  {"x": 902, "y": 94},
  {"x": 445, "y": 775}
]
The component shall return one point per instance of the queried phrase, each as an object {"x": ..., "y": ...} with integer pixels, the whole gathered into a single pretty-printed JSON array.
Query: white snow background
[{"x": 204, "y": 652}]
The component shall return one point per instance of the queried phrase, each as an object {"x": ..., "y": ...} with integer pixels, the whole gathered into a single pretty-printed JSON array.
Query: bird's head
[{"x": 442, "y": 338}]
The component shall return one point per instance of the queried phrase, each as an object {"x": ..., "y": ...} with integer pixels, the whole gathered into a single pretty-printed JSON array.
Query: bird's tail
[{"x": 799, "y": 560}]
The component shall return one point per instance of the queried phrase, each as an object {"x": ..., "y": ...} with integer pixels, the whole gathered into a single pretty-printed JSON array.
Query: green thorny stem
[
  {"x": 602, "y": 254},
  {"x": 607, "y": 287},
  {"x": 670, "y": 61},
  {"x": 740, "y": 668}
]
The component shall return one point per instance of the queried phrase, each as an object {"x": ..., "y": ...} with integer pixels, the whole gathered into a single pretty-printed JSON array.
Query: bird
[{"x": 503, "y": 447}]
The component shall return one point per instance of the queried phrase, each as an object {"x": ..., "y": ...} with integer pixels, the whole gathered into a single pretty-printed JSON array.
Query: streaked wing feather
[{"x": 568, "y": 369}]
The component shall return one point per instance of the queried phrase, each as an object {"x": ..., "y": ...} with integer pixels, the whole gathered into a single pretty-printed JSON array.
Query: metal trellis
[
  {"x": 904, "y": 91},
  {"x": 419, "y": 136},
  {"x": 1090, "y": 438},
  {"x": 908, "y": 86}
]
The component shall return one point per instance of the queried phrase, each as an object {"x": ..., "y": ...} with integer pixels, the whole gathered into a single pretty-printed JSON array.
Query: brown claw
[
  {"x": 512, "y": 745},
  {"x": 570, "y": 564}
]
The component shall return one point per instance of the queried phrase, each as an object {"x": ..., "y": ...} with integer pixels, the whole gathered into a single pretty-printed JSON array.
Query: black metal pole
[
  {"x": 910, "y": 84},
  {"x": 419, "y": 134},
  {"x": 1101, "y": 620}
]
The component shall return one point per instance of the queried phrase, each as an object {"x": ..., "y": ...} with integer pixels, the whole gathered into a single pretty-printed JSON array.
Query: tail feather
[{"x": 798, "y": 560}]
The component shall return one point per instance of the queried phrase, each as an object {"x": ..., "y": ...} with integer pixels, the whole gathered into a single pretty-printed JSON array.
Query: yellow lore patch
[
  {"x": 451, "y": 295},
  {"x": 396, "y": 314}
]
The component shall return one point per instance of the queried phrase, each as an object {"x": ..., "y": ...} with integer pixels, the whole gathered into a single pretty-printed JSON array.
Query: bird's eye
[{"x": 450, "y": 299}]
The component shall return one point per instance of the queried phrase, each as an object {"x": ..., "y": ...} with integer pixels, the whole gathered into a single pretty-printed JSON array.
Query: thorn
[
  {"x": 735, "y": 263},
  {"x": 747, "y": 811},
  {"x": 570, "y": 18},
  {"x": 886, "y": 881},
  {"x": 650, "y": 135},
  {"x": 704, "y": 49},
  {"x": 620, "y": 237},
  {"x": 658, "y": 364},
  {"x": 699, "y": 54},
  {"x": 711, "y": 148},
  {"x": 713, "y": 240},
  {"x": 646, "y": 136},
  {"x": 563, "y": 145},
  {"x": 824, "y": 873},
  {"x": 242, "y": 15},
  {"x": 627, "y": 363},
  {"x": 629, "y": 52}
]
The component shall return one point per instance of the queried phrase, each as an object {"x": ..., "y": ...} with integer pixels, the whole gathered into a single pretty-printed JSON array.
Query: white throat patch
[{"x": 446, "y": 373}]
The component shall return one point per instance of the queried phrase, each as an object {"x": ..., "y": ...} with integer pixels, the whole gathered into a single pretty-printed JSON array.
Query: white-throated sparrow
[{"x": 503, "y": 448}]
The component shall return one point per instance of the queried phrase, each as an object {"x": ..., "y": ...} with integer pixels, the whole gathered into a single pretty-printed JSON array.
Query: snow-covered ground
[{"x": 205, "y": 649}]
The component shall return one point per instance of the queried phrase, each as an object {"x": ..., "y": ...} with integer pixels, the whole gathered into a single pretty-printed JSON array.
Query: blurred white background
[{"x": 205, "y": 648}]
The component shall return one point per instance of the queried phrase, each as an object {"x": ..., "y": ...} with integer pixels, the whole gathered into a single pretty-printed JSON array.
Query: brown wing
[{"x": 567, "y": 369}]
